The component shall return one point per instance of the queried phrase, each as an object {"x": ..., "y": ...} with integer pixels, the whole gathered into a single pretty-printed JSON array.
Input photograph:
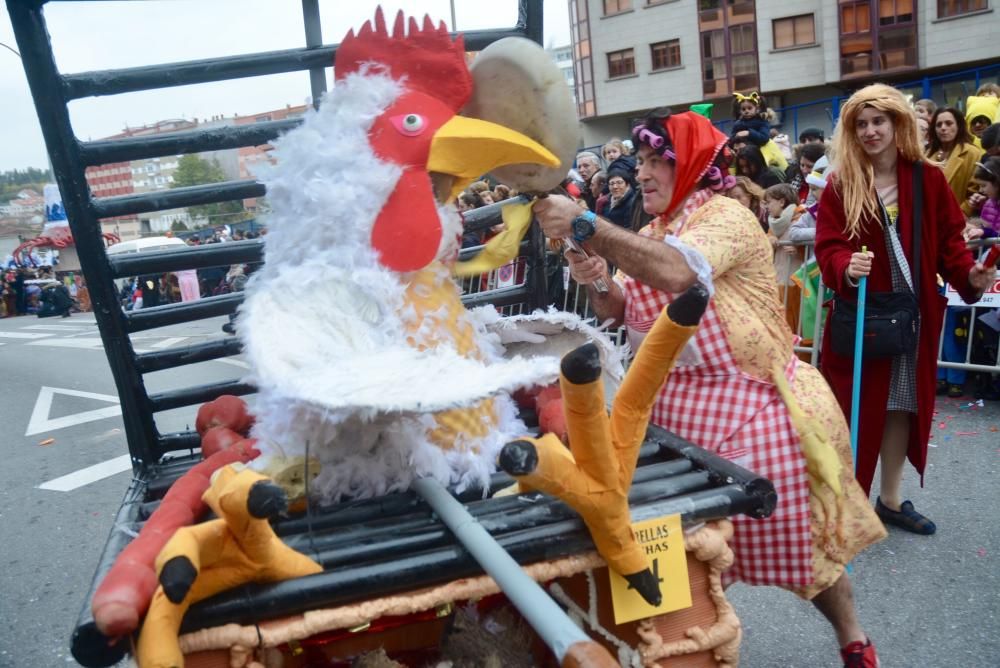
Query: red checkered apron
[{"x": 709, "y": 401}]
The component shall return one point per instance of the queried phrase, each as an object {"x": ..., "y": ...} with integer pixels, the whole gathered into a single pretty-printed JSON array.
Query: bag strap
[{"x": 918, "y": 220}]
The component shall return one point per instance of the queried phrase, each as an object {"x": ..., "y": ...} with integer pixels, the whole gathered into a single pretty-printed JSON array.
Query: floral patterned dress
[{"x": 721, "y": 397}]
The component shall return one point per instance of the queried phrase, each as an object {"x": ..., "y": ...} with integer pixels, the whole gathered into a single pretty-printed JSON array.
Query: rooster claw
[
  {"x": 518, "y": 458},
  {"x": 686, "y": 310},
  {"x": 266, "y": 500},
  {"x": 177, "y": 576},
  {"x": 647, "y": 584},
  {"x": 582, "y": 365}
]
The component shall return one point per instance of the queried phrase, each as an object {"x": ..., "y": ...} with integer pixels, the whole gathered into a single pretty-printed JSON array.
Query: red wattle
[{"x": 407, "y": 232}]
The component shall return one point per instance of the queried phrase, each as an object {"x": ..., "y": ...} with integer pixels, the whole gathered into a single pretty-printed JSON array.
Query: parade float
[{"x": 418, "y": 479}]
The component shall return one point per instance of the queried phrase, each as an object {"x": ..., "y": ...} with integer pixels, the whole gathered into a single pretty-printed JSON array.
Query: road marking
[
  {"x": 76, "y": 479},
  {"x": 59, "y": 328},
  {"x": 166, "y": 343},
  {"x": 40, "y": 421},
  {"x": 90, "y": 343},
  {"x": 22, "y": 335}
]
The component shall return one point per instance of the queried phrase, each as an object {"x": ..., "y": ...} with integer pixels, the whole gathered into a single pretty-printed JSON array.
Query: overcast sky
[{"x": 101, "y": 35}]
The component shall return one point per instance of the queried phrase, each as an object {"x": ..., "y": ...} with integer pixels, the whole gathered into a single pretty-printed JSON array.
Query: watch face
[{"x": 583, "y": 228}]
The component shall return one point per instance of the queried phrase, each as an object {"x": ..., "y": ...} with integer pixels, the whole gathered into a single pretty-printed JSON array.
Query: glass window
[
  {"x": 794, "y": 31},
  {"x": 616, "y": 6},
  {"x": 948, "y": 8},
  {"x": 666, "y": 54},
  {"x": 621, "y": 63},
  {"x": 855, "y": 17},
  {"x": 893, "y": 12}
]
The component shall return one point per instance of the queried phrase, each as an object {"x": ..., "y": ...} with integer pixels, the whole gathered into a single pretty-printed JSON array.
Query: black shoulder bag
[{"x": 891, "y": 318}]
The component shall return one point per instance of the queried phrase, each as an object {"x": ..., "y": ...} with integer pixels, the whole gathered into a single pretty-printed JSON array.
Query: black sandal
[{"x": 905, "y": 518}]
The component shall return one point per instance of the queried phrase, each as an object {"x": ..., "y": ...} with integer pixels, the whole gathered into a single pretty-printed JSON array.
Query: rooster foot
[{"x": 594, "y": 475}]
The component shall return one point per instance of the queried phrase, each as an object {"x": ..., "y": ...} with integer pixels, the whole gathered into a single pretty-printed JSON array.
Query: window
[
  {"x": 877, "y": 36},
  {"x": 794, "y": 31},
  {"x": 948, "y": 8},
  {"x": 616, "y": 6},
  {"x": 894, "y": 12},
  {"x": 666, "y": 54},
  {"x": 728, "y": 46},
  {"x": 621, "y": 63},
  {"x": 583, "y": 63}
]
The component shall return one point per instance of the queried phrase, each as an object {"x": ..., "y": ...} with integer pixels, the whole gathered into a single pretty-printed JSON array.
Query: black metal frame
[{"x": 52, "y": 91}]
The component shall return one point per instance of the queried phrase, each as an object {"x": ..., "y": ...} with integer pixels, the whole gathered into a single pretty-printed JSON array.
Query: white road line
[
  {"x": 59, "y": 328},
  {"x": 90, "y": 343},
  {"x": 40, "y": 422},
  {"x": 76, "y": 479},
  {"x": 22, "y": 335},
  {"x": 166, "y": 343}
]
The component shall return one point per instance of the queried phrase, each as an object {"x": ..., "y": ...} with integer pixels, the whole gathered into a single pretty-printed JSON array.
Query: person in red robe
[{"x": 876, "y": 147}]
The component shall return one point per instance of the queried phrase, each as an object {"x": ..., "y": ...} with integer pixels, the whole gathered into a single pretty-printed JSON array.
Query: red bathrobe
[{"x": 944, "y": 252}]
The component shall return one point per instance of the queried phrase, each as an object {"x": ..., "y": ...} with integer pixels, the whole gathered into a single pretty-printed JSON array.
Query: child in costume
[{"x": 749, "y": 112}]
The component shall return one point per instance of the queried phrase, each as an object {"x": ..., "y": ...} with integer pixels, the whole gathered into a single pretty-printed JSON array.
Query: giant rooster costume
[
  {"x": 370, "y": 372},
  {"x": 359, "y": 344}
]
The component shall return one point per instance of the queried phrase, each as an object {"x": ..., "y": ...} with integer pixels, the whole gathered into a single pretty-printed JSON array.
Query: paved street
[{"x": 931, "y": 602}]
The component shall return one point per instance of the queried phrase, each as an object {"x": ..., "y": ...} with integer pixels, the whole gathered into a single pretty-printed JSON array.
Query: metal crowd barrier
[{"x": 809, "y": 343}]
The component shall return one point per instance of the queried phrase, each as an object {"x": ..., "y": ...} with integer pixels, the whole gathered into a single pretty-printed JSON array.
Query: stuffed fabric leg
[
  {"x": 595, "y": 477},
  {"x": 202, "y": 560}
]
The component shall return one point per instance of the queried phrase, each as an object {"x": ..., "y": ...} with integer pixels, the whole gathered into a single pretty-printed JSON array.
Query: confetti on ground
[
  {"x": 994, "y": 429},
  {"x": 941, "y": 425},
  {"x": 966, "y": 433},
  {"x": 981, "y": 552},
  {"x": 931, "y": 445},
  {"x": 48, "y": 441}
]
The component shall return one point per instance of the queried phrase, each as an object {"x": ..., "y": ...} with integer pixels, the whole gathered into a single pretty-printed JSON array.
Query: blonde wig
[{"x": 855, "y": 175}]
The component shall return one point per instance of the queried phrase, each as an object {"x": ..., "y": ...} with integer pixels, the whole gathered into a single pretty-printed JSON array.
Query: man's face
[
  {"x": 656, "y": 179},
  {"x": 587, "y": 167}
]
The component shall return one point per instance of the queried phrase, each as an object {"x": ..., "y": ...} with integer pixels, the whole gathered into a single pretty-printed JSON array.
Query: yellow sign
[{"x": 663, "y": 540}]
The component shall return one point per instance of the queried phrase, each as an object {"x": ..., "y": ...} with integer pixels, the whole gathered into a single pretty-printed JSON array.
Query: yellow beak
[{"x": 467, "y": 148}]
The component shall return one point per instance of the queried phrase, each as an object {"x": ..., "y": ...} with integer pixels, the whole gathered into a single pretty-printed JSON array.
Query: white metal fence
[{"x": 979, "y": 335}]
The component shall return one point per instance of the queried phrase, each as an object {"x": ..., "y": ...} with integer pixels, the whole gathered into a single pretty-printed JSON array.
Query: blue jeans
[{"x": 953, "y": 348}]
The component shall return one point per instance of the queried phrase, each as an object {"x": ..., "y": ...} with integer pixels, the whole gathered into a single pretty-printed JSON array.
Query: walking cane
[{"x": 859, "y": 335}]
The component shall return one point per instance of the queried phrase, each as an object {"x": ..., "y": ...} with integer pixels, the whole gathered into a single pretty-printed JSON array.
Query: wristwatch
[{"x": 584, "y": 226}]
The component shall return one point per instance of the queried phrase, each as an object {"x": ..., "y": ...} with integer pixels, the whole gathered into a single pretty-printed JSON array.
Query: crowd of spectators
[{"x": 782, "y": 183}]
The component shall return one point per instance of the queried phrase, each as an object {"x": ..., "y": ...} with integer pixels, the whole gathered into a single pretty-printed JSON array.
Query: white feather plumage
[{"x": 324, "y": 325}]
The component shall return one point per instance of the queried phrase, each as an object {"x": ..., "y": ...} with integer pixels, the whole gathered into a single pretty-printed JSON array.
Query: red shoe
[{"x": 860, "y": 655}]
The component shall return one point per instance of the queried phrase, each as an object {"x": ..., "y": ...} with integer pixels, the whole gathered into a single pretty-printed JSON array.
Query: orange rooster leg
[
  {"x": 595, "y": 477},
  {"x": 202, "y": 560}
]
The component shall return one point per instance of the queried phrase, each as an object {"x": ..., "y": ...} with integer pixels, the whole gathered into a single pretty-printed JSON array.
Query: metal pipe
[
  {"x": 199, "y": 352},
  {"x": 188, "y": 257},
  {"x": 107, "y": 151},
  {"x": 174, "y": 314},
  {"x": 314, "y": 40},
  {"x": 548, "y": 620},
  {"x": 177, "y": 198},
  {"x": 190, "y": 396}
]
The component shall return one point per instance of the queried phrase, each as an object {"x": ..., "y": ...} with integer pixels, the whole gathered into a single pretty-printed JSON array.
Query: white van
[{"x": 146, "y": 244}]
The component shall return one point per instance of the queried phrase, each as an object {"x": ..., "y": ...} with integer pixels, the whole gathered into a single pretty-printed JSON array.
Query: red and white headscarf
[{"x": 693, "y": 143}]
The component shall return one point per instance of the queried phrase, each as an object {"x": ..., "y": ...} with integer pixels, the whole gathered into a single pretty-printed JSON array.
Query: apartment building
[{"x": 804, "y": 55}]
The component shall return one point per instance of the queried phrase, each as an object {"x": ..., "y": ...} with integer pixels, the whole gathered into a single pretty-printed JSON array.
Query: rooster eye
[{"x": 410, "y": 124}]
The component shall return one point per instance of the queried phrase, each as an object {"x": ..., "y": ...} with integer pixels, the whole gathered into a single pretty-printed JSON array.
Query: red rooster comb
[{"x": 431, "y": 62}]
